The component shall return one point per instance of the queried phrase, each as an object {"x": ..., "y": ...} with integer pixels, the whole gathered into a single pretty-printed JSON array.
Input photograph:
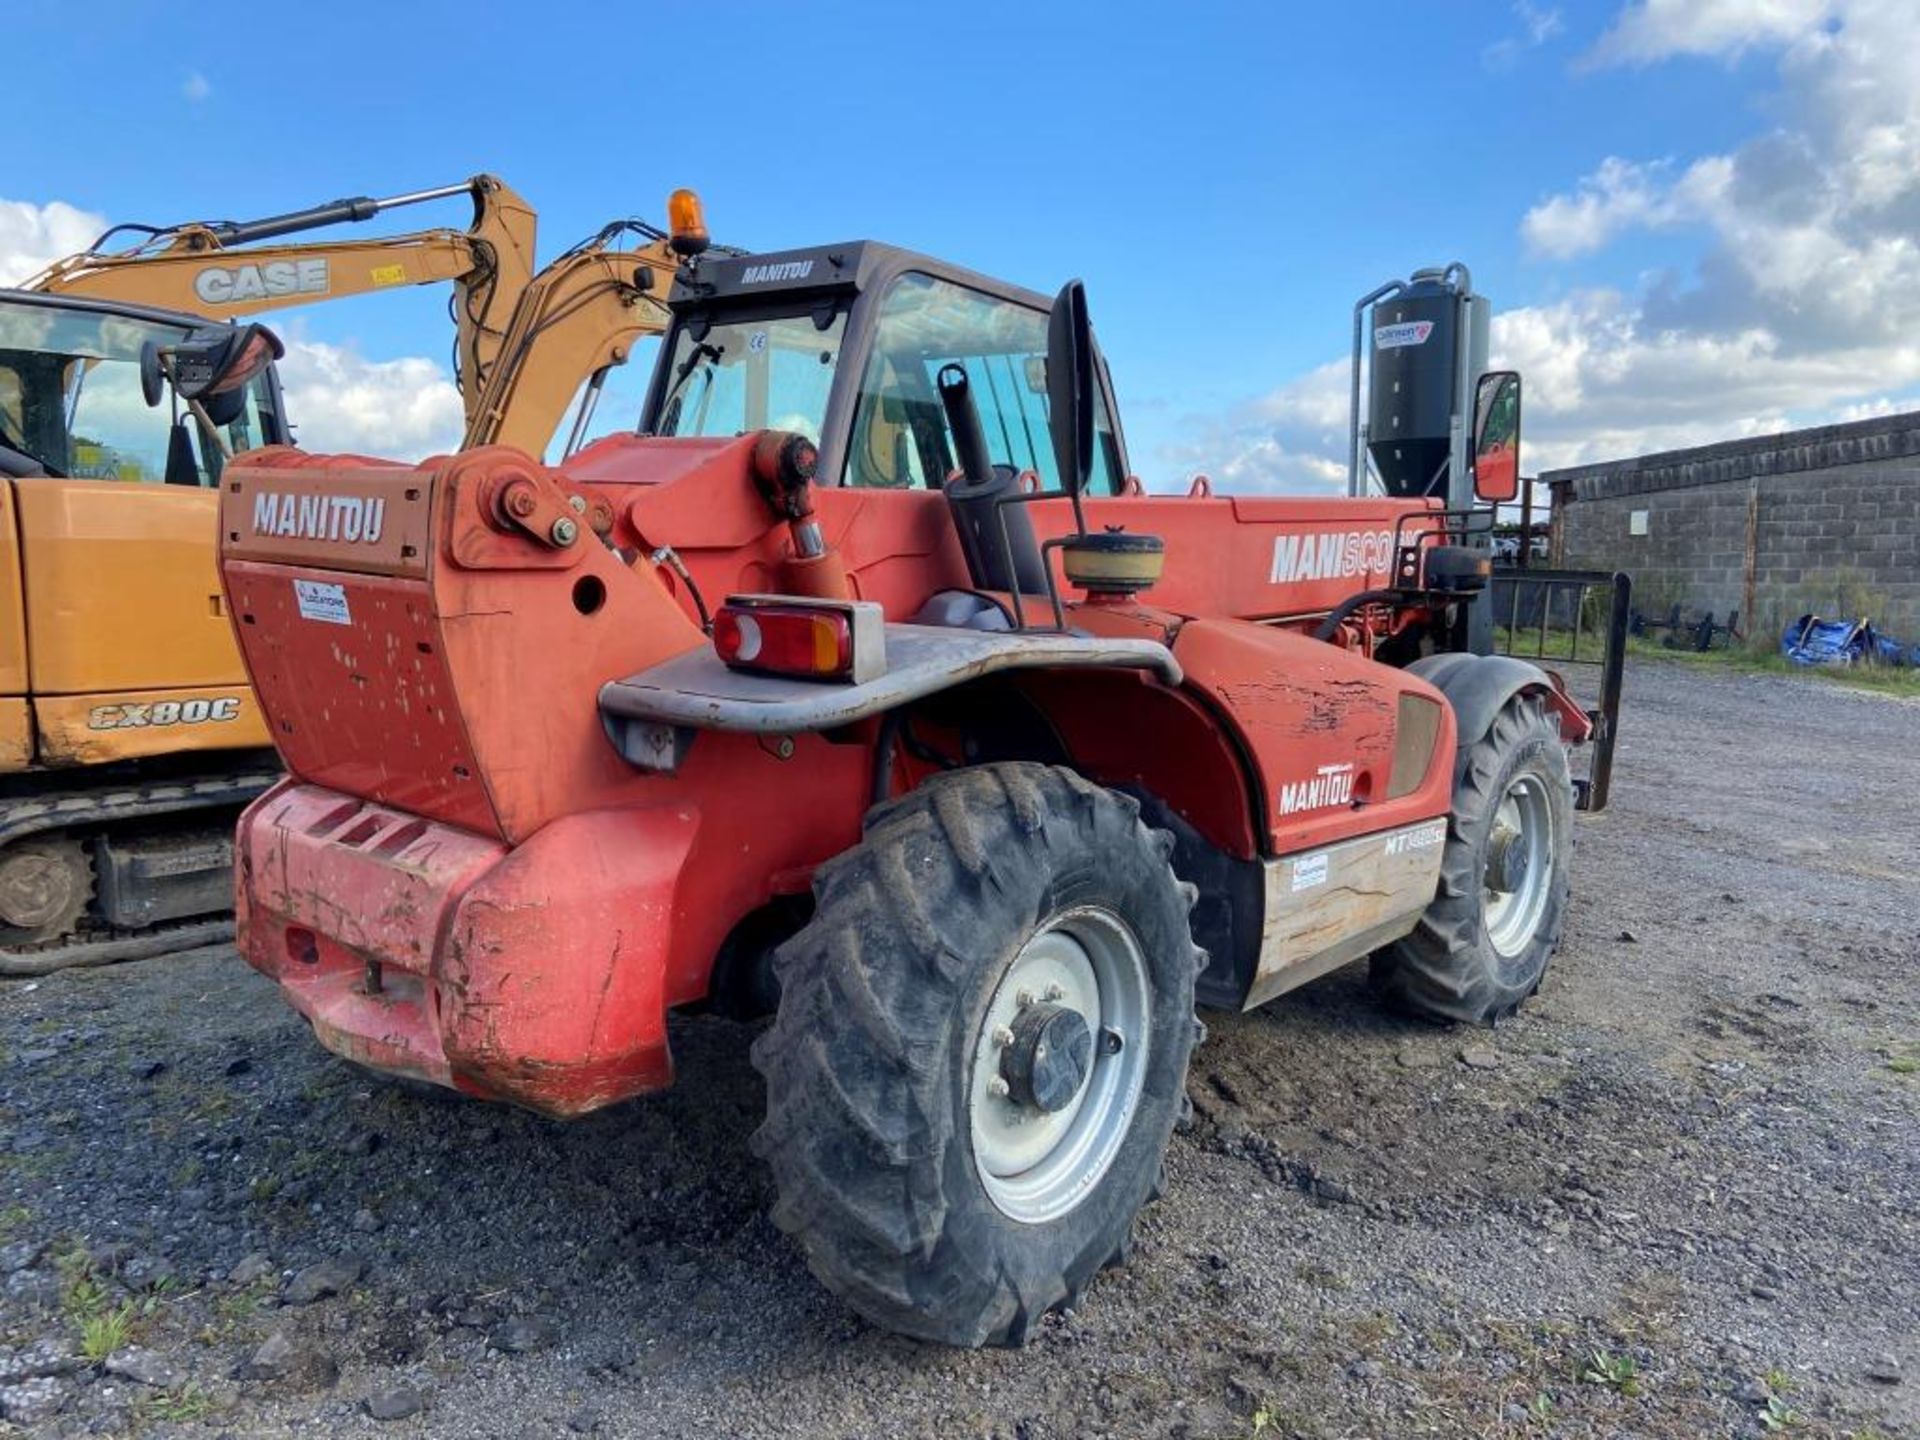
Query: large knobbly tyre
[
  {"x": 1482, "y": 946},
  {"x": 980, "y": 1051}
]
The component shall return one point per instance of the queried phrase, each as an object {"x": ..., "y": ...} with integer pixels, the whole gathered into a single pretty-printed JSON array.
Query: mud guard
[
  {"x": 1478, "y": 686},
  {"x": 648, "y": 715}
]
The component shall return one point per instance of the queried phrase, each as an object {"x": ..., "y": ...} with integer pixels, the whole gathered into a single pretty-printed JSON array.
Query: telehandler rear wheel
[
  {"x": 1482, "y": 946},
  {"x": 980, "y": 1051}
]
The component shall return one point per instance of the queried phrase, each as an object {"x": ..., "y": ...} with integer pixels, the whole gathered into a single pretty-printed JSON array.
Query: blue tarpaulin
[{"x": 1813, "y": 641}]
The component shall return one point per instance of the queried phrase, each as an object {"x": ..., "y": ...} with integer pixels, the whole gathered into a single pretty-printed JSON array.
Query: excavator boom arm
[
  {"x": 580, "y": 315},
  {"x": 220, "y": 268},
  {"x": 195, "y": 273}
]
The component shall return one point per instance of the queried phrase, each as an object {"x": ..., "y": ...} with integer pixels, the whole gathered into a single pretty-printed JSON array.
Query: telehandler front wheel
[
  {"x": 980, "y": 1051},
  {"x": 1483, "y": 944}
]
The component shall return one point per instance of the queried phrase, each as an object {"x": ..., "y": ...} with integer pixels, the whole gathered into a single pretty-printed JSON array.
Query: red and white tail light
[{"x": 802, "y": 639}]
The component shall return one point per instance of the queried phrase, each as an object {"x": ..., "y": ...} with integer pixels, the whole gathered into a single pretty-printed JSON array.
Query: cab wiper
[{"x": 670, "y": 406}]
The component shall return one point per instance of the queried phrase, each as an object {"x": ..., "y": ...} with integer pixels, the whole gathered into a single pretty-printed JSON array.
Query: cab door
[
  {"x": 16, "y": 726},
  {"x": 127, "y": 647}
]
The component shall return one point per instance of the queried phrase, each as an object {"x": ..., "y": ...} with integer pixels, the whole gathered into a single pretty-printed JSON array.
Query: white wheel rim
[
  {"x": 1514, "y": 906},
  {"x": 1038, "y": 1165}
]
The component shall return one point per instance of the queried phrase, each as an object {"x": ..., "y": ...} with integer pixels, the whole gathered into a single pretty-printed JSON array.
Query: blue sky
[{"x": 1226, "y": 178}]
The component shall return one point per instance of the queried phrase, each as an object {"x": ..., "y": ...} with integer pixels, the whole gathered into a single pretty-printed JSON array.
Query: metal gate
[{"x": 1571, "y": 620}]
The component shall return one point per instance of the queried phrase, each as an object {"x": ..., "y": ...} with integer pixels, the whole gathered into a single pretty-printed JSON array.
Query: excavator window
[
  {"x": 70, "y": 402},
  {"x": 900, "y": 436}
]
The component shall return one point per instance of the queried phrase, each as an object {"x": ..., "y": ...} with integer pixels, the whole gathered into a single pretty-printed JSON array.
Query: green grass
[
  {"x": 105, "y": 1331},
  {"x": 1779, "y": 1416},
  {"x": 1883, "y": 678},
  {"x": 1527, "y": 643},
  {"x": 183, "y": 1403},
  {"x": 1618, "y": 1372}
]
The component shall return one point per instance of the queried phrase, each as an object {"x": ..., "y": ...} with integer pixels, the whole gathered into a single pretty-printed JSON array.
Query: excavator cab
[
  {"x": 101, "y": 391},
  {"x": 128, "y": 739}
]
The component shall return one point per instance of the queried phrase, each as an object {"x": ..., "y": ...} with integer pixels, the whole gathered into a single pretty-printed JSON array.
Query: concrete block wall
[{"x": 1837, "y": 524}]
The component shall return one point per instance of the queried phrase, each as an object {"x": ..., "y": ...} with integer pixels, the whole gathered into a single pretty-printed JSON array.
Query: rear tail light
[{"x": 805, "y": 639}]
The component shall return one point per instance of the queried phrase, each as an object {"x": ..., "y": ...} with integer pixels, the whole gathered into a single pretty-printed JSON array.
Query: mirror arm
[{"x": 212, "y": 430}]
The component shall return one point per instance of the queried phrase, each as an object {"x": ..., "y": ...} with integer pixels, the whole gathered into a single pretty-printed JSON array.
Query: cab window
[
  {"x": 900, "y": 438},
  {"x": 71, "y": 405},
  {"x": 731, "y": 376}
]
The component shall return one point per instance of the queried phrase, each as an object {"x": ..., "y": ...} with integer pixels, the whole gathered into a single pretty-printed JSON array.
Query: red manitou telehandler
[{"x": 863, "y": 687}]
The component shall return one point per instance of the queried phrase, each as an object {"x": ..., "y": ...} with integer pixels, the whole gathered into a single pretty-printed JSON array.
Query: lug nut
[
  {"x": 1023, "y": 998},
  {"x": 1002, "y": 1036},
  {"x": 1053, "y": 992},
  {"x": 564, "y": 531},
  {"x": 998, "y": 1088}
]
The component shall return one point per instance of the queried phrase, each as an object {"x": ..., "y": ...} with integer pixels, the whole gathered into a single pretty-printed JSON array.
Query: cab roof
[
  {"x": 850, "y": 268},
  {"x": 186, "y": 319}
]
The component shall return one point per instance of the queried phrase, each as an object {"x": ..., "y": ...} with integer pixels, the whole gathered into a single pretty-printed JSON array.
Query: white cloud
[
  {"x": 1603, "y": 383},
  {"x": 33, "y": 236},
  {"x": 1813, "y": 222},
  {"x": 1649, "y": 31},
  {"x": 1600, "y": 385},
  {"x": 1537, "y": 26},
  {"x": 1293, "y": 439},
  {"x": 1619, "y": 196},
  {"x": 1803, "y": 307},
  {"x": 195, "y": 87},
  {"x": 343, "y": 403}
]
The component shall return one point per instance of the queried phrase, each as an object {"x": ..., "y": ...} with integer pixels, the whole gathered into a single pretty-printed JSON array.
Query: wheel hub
[
  {"x": 1050, "y": 1101},
  {"x": 1519, "y": 866},
  {"x": 1047, "y": 1062},
  {"x": 1507, "y": 862}
]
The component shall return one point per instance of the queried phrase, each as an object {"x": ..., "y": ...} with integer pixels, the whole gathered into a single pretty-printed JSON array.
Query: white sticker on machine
[
  {"x": 1309, "y": 871},
  {"x": 1393, "y": 337},
  {"x": 320, "y": 601}
]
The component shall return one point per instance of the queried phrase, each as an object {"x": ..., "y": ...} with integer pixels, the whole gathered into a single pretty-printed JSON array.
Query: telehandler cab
[{"x": 863, "y": 686}]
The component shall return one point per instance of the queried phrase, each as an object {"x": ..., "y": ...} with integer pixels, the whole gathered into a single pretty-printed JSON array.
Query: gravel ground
[{"x": 1678, "y": 1197}]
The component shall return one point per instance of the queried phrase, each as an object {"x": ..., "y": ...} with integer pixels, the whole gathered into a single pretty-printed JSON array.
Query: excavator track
[{"x": 51, "y": 845}]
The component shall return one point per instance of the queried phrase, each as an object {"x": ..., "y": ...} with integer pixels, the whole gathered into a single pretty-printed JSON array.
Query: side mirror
[
  {"x": 1496, "y": 437},
  {"x": 1070, "y": 386},
  {"x": 214, "y": 361}
]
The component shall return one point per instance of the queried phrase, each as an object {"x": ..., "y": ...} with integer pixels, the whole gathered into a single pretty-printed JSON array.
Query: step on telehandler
[{"x": 864, "y": 688}]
